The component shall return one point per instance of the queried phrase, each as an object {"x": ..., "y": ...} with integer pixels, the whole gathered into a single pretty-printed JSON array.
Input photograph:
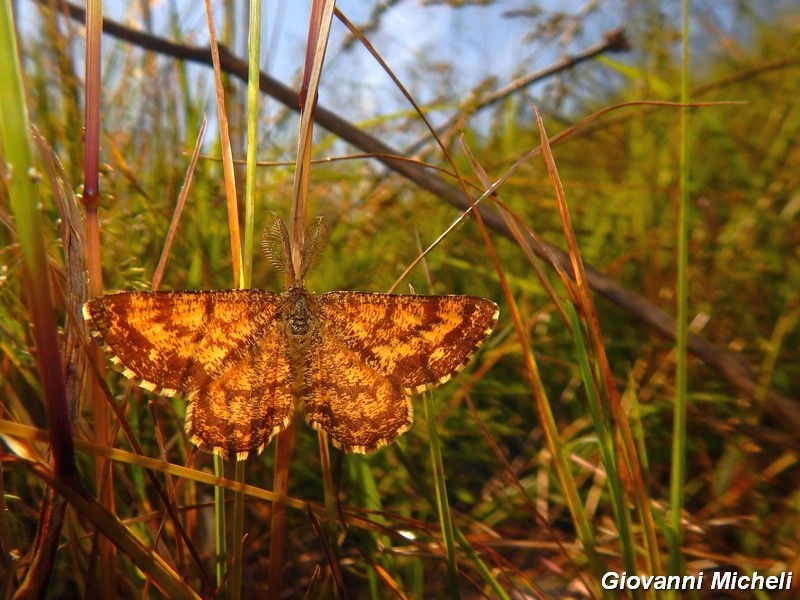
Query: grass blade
[
  {"x": 678, "y": 471},
  {"x": 15, "y": 139},
  {"x": 440, "y": 488}
]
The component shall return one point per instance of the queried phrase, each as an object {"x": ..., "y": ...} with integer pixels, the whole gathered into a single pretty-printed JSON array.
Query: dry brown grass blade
[
  {"x": 628, "y": 464},
  {"x": 227, "y": 154},
  {"x": 173, "y": 225},
  {"x": 147, "y": 560},
  {"x": 22, "y": 437},
  {"x": 533, "y": 375},
  {"x": 73, "y": 294},
  {"x": 331, "y": 553},
  {"x": 106, "y": 552},
  {"x": 316, "y": 45},
  {"x": 106, "y": 452},
  {"x": 277, "y": 526}
]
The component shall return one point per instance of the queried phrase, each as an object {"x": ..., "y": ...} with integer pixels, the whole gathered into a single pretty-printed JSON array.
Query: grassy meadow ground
[{"x": 557, "y": 456}]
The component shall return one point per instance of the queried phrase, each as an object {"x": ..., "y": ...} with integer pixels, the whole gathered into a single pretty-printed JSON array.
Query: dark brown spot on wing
[
  {"x": 358, "y": 407},
  {"x": 418, "y": 341},
  {"x": 248, "y": 405},
  {"x": 181, "y": 341}
]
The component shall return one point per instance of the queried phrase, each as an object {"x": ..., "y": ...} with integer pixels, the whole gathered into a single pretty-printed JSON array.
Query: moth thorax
[{"x": 298, "y": 314}]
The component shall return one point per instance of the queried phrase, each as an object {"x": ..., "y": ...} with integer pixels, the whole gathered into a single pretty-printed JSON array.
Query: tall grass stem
[
  {"x": 440, "y": 488},
  {"x": 678, "y": 471}
]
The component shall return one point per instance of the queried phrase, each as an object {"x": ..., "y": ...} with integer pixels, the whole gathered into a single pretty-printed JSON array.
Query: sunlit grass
[{"x": 517, "y": 476}]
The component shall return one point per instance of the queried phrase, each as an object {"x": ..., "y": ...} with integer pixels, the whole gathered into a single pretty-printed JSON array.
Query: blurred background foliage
[{"x": 621, "y": 175}]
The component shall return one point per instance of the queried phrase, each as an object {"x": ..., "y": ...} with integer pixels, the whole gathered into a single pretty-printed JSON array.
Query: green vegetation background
[{"x": 621, "y": 174}]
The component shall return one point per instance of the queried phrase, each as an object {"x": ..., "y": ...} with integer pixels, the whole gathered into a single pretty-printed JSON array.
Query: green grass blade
[
  {"x": 440, "y": 488},
  {"x": 254, "y": 49},
  {"x": 237, "y": 530},
  {"x": 370, "y": 496},
  {"x": 15, "y": 140},
  {"x": 605, "y": 440},
  {"x": 253, "y": 76},
  {"x": 480, "y": 565},
  {"x": 678, "y": 471},
  {"x": 220, "y": 545}
]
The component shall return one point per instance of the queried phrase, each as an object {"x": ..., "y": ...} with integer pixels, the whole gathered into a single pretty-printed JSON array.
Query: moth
[{"x": 246, "y": 358}]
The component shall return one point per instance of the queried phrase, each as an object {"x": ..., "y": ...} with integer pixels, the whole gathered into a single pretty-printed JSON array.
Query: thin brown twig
[{"x": 613, "y": 41}]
